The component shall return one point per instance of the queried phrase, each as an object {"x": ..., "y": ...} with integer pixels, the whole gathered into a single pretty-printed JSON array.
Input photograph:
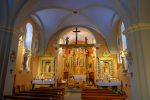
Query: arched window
[
  {"x": 28, "y": 36},
  {"x": 124, "y": 42}
]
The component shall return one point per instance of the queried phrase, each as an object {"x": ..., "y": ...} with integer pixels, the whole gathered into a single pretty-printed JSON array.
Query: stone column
[
  {"x": 97, "y": 64},
  {"x": 8, "y": 49},
  {"x": 56, "y": 65},
  {"x": 138, "y": 43}
]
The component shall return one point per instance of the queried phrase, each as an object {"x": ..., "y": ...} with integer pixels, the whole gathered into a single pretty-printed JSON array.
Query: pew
[
  {"x": 60, "y": 91},
  {"x": 15, "y": 97},
  {"x": 103, "y": 98},
  {"x": 37, "y": 94},
  {"x": 100, "y": 94}
]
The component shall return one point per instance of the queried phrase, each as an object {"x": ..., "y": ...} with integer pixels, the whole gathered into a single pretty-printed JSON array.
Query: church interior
[{"x": 73, "y": 49}]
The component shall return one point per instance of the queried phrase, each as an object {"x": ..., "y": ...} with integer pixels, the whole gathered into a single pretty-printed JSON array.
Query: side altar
[{"x": 42, "y": 82}]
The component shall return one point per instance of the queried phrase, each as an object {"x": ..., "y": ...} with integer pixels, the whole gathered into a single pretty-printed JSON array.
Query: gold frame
[{"x": 45, "y": 62}]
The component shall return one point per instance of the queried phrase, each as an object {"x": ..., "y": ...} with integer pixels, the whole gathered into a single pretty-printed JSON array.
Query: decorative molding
[
  {"x": 137, "y": 27},
  {"x": 11, "y": 30}
]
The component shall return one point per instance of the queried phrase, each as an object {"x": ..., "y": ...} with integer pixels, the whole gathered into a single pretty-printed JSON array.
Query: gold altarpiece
[
  {"x": 79, "y": 60},
  {"x": 46, "y": 69},
  {"x": 105, "y": 67},
  {"x": 75, "y": 61}
]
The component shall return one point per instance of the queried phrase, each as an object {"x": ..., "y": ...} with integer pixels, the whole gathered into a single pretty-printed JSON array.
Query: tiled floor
[{"x": 72, "y": 94}]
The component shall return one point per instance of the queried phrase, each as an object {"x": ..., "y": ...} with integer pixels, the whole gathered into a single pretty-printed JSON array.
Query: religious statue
[
  {"x": 67, "y": 40},
  {"x": 106, "y": 68},
  {"x": 47, "y": 67},
  {"x": 106, "y": 74},
  {"x": 86, "y": 40},
  {"x": 25, "y": 60}
]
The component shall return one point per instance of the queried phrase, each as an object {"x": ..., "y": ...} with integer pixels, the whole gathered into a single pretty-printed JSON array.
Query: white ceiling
[{"x": 100, "y": 15}]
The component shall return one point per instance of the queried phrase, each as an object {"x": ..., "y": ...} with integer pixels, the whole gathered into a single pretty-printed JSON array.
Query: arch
[
  {"x": 84, "y": 32},
  {"x": 53, "y": 5},
  {"x": 41, "y": 39},
  {"x": 57, "y": 33}
]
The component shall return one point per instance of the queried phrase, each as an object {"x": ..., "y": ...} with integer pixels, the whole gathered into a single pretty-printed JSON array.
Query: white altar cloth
[
  {"x": 118, "y": 83},
  {"x": 80, "y": 77},
  {"x": 44, "y": 82}
]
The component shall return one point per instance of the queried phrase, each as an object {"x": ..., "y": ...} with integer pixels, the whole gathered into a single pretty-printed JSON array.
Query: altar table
[
  {"x": 118, "y": 83},
  {"x": 80, "y": 78},
  {"x": 114, "y": 85},
  {"x": 42, "y": 82}
]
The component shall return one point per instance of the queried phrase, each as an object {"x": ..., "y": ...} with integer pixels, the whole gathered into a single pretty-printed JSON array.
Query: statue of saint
[
  {"x": 25, "y": 60},
  {"x": 67, "y": 40},
  {"x": 86, "y": 40},
  {"x": 106, "y": 68}
]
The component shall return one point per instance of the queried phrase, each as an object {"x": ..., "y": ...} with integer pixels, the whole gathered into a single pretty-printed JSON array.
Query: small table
[
  {"x": 42, "y": 82},
  {"x": 114, "y": 85}
]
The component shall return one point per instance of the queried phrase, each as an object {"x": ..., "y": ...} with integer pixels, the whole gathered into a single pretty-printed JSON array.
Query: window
[
  {"x": 28, "y": 36},
  {"x": 124, "y": 43}
]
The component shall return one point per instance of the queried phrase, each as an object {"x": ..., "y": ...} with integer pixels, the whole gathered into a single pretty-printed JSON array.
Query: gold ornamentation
[{"x": 106, "y": 54}]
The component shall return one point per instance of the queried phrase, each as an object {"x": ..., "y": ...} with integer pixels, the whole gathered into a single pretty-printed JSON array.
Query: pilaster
[
  {"x": 56, "y": 64},
  {"x": 8, "y": 50},
  {"x": 138, "y": 39}
]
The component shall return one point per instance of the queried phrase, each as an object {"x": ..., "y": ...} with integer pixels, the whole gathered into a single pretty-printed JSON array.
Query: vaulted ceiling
[{"x": 100, "y": 15}]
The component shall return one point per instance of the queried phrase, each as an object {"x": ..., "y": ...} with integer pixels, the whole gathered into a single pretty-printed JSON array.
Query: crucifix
[{"x": 76, "y": 31}]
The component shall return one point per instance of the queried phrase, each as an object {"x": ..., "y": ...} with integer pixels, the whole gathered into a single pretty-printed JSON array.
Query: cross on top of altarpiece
[{"x": 76, "y": 31}]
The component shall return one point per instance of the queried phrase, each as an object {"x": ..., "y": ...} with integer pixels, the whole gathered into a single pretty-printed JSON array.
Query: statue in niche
[
  {"x": 106, "y": 67},
  {"x": 47, "y": 67},
  {"x": 67, "y": 67},
  {"x": 86, "y": 40},
  {"x": 106, "y": 74},
  {"x": 25, "y": 60},
  {"x": 67, "y": 40},
  {"x": 90, "y": 69}
]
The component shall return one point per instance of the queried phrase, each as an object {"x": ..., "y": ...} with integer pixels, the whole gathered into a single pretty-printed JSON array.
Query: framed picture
[
  {"x": 47, "y": 67},
  {"x": 105, "y": 66}
]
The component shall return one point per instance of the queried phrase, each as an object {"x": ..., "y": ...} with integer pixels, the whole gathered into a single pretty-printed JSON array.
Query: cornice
[{"x": 137, "y": 27}]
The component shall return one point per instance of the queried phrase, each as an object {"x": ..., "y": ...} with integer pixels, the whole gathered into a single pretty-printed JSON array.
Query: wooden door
[
  {"x": 65, "y": 75},
  {"x": 91, "y": 77}
]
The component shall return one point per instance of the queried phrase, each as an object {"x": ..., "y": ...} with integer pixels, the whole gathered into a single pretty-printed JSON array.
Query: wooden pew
[
  {"x": 49, "y": 89},
  {"x": 100, "y": 94},
  {"x": 55, "y": 96},
  {"x": 103, "y": 98},
  {"x": 15, "y": 97},
  {"x": 60, "y": 91},
  {"x": 37, "y": 94}
]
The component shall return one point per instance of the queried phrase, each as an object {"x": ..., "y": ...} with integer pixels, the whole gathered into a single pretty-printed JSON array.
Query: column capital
[
  {"x": 10, "y": 29},
  {"x": 137, "y": 27}
]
